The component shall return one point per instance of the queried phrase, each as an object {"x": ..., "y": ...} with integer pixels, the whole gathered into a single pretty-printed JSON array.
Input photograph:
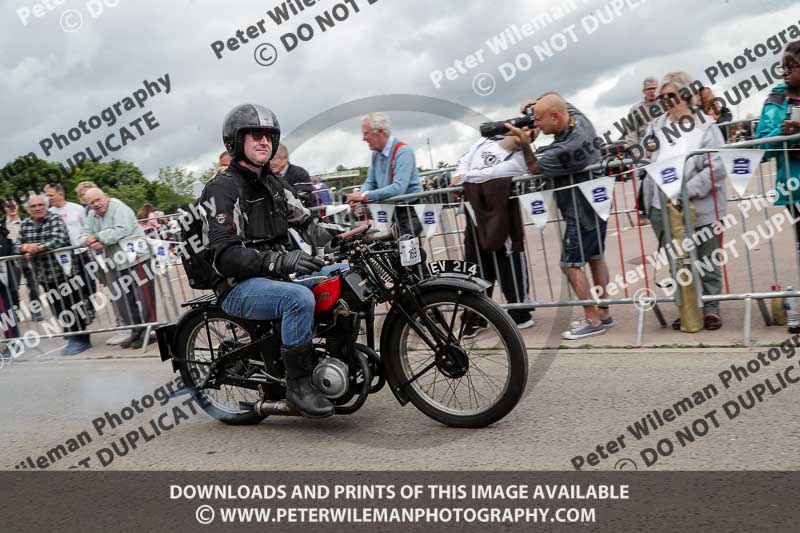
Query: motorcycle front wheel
[{"x": 480, "y": 373}]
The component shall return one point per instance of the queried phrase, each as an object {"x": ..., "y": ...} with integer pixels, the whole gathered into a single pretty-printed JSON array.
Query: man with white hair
[
  {"x": 392, "y": 171},
  {"x": 643, "y": 112},
  {"x": 43, "y": 232},
  {"x": 112, "y": 227}
]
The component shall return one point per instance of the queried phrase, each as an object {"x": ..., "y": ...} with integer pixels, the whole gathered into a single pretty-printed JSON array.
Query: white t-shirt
[
  {"x": 487, "y": 160},
  {"x": 13, "y": 228},
  {"x": 74, "y": 216}
]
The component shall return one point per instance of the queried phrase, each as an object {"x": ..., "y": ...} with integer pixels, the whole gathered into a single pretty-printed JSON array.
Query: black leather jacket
[{"x": 247, "y": 224}]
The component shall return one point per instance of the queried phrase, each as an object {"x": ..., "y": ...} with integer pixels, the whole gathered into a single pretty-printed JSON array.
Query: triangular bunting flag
[
  {"x": 740, "y": 165},
  {"x": 381, "y": 215},
  {"x": 100, "y": 257},
  {"x": 428, "y": 215},
  {"x": 65, "y": 261},
  {"x": 131, "y": 246},
  {"x": 536, "y": 207},
  {"x": 599, "y": 193},
  {"x": 160, "y": 253},
  {"x": 668, "y": 174}
]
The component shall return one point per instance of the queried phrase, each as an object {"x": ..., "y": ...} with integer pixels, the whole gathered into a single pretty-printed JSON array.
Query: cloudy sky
[{"x": 72, "y": 61}]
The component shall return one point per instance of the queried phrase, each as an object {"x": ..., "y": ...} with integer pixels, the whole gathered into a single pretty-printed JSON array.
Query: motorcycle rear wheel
[
  {"x": 194, "y": 354},
  {"x": 497, "y": 358}
]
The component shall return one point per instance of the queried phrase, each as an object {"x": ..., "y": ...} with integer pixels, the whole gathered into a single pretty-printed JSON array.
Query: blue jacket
[
  {"x": 769, "y": 125},
  {"x": 379, "y": 184}
]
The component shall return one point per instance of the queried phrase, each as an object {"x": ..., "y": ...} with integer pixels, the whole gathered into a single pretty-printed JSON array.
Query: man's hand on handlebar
[{"x": 294, "y": 262}]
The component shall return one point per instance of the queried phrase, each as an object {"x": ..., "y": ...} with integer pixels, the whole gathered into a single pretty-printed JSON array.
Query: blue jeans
[{"x": 269, "y": 299}]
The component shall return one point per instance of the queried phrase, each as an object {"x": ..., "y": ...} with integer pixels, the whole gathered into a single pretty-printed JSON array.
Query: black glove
[{"x": 295, "y": 262}]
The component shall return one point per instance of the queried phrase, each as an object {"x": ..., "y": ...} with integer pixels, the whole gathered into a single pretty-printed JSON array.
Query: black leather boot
[{"x": 300, "y": 392}]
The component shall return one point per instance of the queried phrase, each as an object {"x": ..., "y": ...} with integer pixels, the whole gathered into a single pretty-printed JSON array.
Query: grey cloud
[{"x": 51, "y": 79}]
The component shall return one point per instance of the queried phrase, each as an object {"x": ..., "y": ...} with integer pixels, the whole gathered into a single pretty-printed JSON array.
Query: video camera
[{"x": 494, "y": 129}]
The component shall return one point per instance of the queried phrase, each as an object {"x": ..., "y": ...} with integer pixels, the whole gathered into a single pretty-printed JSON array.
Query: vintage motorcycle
[{"x": 232, "y": 367}]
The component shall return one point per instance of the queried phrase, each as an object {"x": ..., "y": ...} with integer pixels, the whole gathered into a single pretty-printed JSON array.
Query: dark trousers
[
  {"x": 30, "y": 280},
  {"x": 795, "y": 212},
  {"x": 79, "y": 266},
  {"x": 7, "y": 316},
  {"x": 510, "y": 267},
  {"x": 70, "y": 310},
  {"x": 138, "y": 302}
]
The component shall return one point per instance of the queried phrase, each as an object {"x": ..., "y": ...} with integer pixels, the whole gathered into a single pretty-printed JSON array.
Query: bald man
[
  {"x": 111, "y": 227},
  {"x": 575, "y": 146}
]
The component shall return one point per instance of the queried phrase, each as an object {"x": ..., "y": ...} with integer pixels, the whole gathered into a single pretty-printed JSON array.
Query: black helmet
[{"x": 249, "y": 117}]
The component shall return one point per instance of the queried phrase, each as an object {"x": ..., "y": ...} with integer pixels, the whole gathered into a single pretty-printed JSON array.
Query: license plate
[
  {"x": 409, "y": 252},
  {"x": 453, "y": 266}
]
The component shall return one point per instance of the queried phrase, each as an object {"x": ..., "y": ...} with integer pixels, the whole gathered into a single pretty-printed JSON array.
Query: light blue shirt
[{"x": 379, "y": 184}]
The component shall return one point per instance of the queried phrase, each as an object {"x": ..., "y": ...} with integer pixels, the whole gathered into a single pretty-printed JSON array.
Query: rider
[{"x": 247, "y": 226}]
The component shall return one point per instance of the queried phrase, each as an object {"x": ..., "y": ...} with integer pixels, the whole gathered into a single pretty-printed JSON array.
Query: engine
[{"x": 331, "y": 377}]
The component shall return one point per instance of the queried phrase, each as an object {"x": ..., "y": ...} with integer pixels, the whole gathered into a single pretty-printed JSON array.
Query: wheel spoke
[
  {"x": 221, "y": 332},
  {"x": 484, "y": 383}
]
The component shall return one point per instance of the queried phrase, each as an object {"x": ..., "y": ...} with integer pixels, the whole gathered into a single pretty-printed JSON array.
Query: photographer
[{"x": 574, "y": 148}]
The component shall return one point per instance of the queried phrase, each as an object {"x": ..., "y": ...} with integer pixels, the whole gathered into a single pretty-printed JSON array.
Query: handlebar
[{"x": 351, "y": 233}]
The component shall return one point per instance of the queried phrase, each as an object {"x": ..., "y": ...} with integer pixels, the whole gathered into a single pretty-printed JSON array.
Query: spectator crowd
[{"x": 59, "y": 241}]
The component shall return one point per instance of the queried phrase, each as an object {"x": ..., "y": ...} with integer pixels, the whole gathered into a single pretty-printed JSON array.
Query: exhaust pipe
[{"x": 281, "y": 407}]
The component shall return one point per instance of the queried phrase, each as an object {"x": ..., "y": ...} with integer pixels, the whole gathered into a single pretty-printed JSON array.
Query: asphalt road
[{"x": 575, "y": 401}]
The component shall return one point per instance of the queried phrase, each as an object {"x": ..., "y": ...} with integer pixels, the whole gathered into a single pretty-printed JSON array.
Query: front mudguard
[{"x": 450, "y": 281}]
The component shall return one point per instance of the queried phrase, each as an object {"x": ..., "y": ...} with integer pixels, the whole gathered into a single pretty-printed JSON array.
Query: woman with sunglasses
[
  {"x": 705, "y": 186},
  {"x": 776, "y": 120}
]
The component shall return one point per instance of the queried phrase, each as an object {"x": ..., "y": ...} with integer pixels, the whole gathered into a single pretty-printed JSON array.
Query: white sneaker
[
  {"x": 119, "y": 338},
  {"x": 527, "y": 324}
]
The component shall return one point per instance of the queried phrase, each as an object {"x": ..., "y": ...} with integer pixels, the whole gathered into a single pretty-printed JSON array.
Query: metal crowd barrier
[
  {"x": 71, "y": 294},
  {"x": 450, "y": 242},
  {"x": 739, "y": 130}
]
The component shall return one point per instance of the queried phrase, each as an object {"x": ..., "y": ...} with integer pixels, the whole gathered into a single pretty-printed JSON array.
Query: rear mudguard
[
  {"x": 450, "y": 281},
  {"x": 165, "y": 335}
]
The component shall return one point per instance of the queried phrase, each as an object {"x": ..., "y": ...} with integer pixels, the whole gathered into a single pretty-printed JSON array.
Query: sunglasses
[
  {"x": 786, "y": 69},
  {"x": 259, "y": 136}
]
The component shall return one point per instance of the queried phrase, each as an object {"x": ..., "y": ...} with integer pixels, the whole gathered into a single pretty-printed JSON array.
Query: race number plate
[
  {"x": 409, "y": 252},
  {"x": 453, "y": 266}
]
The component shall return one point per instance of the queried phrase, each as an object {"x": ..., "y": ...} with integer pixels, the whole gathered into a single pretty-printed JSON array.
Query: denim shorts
[{"x": 592, "y": 243}]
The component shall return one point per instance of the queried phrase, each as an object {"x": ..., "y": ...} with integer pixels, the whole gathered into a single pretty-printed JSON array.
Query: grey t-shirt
[{"x": 564, "y": 161}]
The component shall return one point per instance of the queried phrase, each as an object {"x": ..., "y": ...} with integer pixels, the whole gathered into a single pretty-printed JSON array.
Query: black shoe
[
  {"x": 300, "y": 392},
  {"x": 306, "y": 399},
  {"x": 472, "y": 331}
]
